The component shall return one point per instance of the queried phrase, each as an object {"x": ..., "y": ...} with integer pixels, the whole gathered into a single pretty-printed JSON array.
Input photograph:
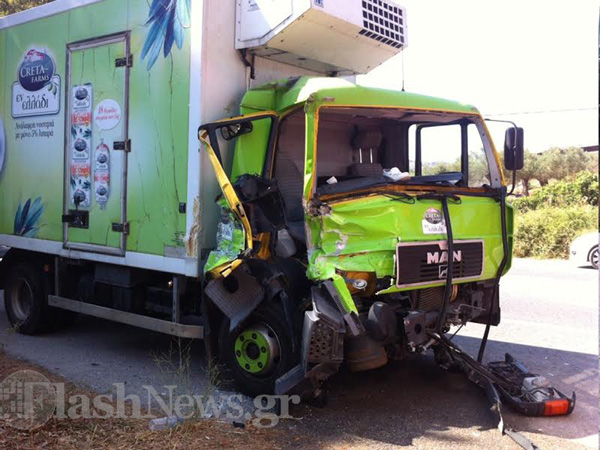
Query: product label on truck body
[
  {"x": 433, "y": 222},
  {"x": 37, "y": 91},
  {"x": 81, "y": 145}
]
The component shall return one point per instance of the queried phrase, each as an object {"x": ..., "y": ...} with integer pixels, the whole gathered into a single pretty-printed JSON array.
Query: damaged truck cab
[{"x": 356, "y": 225}]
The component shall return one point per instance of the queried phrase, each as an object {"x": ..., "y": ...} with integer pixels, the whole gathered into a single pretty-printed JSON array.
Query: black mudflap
[{"x": 236, "y": 296}]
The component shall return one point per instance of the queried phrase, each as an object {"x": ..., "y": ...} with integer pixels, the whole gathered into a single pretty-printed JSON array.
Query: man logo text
[{"x": 442, "y": 257}]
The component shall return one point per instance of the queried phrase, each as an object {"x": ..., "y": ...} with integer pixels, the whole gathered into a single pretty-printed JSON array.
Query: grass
[{"x": 103, "y": 434}]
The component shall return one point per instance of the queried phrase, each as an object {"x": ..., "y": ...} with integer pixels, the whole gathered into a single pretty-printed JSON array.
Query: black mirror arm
[
  {"x": 514, "y": 175},
  {"x": 514, "y": 182}
]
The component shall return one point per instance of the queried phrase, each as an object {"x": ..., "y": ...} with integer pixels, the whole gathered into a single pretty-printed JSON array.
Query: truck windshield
[{"x": 357, "y": 147}]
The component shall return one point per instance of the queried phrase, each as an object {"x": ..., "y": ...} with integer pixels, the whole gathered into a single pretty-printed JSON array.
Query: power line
[{"x": 547, "y": 111}]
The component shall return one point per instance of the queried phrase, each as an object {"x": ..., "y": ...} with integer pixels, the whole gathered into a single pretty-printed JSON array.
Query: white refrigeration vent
[
  {"x": 325, "y": 36},
  {"x": 383, "y": 22}
]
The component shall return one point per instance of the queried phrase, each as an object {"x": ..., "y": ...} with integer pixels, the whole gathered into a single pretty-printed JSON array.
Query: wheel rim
[
  {"x": 257, "y": 350},
  {"x": 594, "y": 258},
  {"x": 22, "y": 299}
]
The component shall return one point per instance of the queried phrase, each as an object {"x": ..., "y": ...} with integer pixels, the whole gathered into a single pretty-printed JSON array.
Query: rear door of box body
[{"x": 96, "y": 145}]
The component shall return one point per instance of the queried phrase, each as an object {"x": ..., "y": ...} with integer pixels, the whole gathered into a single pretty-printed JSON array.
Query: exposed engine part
[
  {"x": 364, "y": 353},
  {"x": 431, "y": 299},
  {"x": 236, "y": 295},
  {"x": 415, "y": 327},
  {"x": 487, "y": 303},
  {"x": 538, "y": 389},
  {"x": 359, "y": 284},
  {"x": 382, "y": 324},
  {"x": 467, "y": 307},
  {"x": 424, "y": 348}
]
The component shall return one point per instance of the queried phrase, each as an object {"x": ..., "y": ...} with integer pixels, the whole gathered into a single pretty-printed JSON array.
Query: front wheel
[{"x": 257, "y": 352}]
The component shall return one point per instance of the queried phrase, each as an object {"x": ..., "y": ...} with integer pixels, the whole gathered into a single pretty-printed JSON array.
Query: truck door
[{"x": 96, "y": 145}]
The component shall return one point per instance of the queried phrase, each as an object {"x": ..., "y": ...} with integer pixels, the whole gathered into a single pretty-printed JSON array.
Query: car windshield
[{"x": 359, "y": 147}]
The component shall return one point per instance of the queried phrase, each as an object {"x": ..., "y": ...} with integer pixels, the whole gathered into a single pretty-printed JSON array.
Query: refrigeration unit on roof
[{"x": 341, "y": 36}]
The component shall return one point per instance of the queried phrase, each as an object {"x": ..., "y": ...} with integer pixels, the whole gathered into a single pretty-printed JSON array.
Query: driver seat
[{"x": 366, "y": 140}]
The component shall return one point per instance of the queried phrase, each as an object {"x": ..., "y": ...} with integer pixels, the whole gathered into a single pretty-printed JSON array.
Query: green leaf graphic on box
[
  {"x": 87, "y": 133},
  {"x": 73, "y": 132},
  {"x": 27, "y": 217}
]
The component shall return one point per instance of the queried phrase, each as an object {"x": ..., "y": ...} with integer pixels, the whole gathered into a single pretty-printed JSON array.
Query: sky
[{"x": 506, "y": 58}]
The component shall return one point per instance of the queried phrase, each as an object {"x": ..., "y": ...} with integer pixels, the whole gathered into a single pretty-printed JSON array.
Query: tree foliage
[
  {"x": 581, "y": 191},
  {"x": 554, "y": 164},
  {"x": 529, "y": 172},
  {"x": 558, "y": 163},
  {"x": 14, "y": 6},
  {"x": 554, "y": 215}
]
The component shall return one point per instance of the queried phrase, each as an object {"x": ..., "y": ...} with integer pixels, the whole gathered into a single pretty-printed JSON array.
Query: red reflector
[{"x": 556, "y": 407}]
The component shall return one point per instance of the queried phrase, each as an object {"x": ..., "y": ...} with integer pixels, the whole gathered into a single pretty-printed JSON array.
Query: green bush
[
  {"x": 547, "y": 232},
  {"x": 583, "y": 190}
]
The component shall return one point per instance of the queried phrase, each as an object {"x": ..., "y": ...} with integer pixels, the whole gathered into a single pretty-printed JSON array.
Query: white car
[{"x": 584, "y": 250}]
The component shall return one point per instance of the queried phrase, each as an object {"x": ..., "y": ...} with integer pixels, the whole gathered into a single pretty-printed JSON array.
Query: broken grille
[{"x": 383, "y": 22}]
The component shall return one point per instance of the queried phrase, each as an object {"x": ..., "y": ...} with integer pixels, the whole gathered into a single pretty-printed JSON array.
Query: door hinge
[
  {"x": 122, "y": 145},
  {"x": 121, "y": 227},
  {"x": 124, "y": 62}
]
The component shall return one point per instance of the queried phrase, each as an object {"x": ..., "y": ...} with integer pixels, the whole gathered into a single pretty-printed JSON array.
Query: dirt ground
[
  {"x": 129, "y": 434},
  {"x": 458, "y": 420}
]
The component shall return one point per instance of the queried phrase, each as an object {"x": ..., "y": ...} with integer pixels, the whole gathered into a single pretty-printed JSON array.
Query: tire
[
  {"x": 245, "y": 346},
  {"x": 25, "y": 299},
  {"x": 593, "y": 258}
]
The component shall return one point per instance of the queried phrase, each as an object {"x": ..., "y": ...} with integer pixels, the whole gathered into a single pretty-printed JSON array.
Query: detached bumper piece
[
  {"x": 507, "y": 380},
  {"x": 528, "y": 393}
]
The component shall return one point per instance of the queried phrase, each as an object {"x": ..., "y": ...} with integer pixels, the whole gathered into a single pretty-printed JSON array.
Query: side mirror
[
  {"x": 514, "y": 152},
  {"x": 231, "y": 131}
]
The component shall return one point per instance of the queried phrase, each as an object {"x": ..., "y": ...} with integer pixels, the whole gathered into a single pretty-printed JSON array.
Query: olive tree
[{"x": 13, "y": 6}]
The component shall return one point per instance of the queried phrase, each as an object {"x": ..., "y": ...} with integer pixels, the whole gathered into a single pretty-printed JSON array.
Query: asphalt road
[{"x": 549, "y": 321}]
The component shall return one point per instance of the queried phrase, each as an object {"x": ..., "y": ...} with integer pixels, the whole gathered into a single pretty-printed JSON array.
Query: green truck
[{"x": 328, "y": 224}]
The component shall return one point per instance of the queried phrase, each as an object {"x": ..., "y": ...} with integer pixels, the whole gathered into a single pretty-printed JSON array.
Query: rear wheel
[
  {"x": 594, "y": 256},
  {"x": 257, "y": 352},
  {"x": 25, "y": 301}
]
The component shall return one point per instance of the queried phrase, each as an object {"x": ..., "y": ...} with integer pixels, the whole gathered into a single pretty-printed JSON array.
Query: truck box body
[{"x": 145, "y": 207}]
